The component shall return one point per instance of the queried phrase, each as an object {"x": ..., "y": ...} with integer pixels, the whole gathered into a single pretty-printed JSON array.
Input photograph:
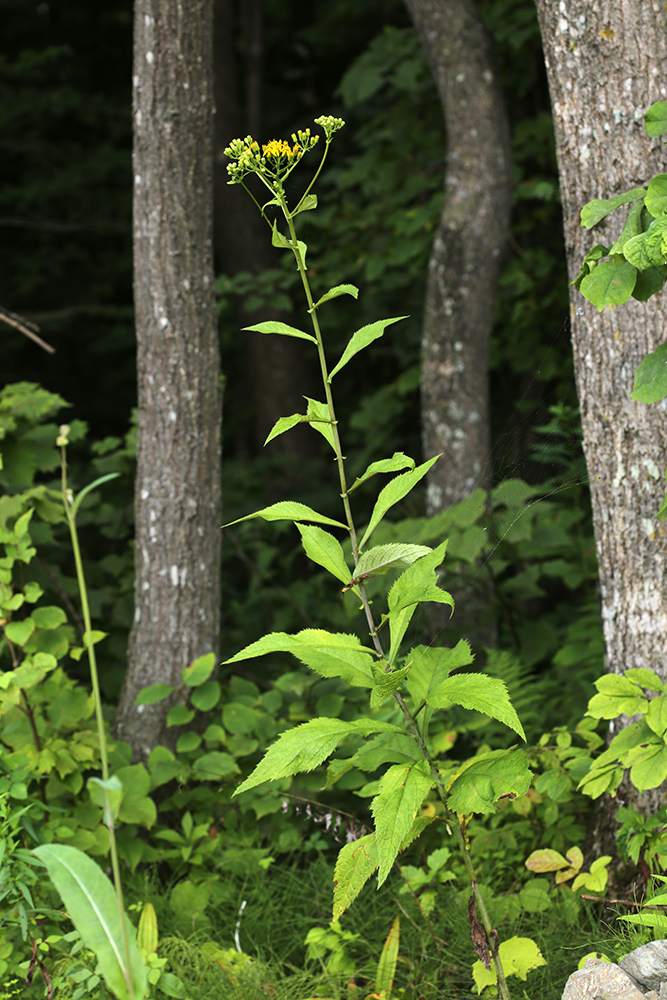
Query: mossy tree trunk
[
  {"x": 178, "y": 509},
  {"x": 606, "y": 65}
]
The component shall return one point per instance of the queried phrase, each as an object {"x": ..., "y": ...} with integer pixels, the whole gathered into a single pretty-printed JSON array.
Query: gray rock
[
  {"x": 648, "y": 965},
  {"x": 601, "y": 981}
]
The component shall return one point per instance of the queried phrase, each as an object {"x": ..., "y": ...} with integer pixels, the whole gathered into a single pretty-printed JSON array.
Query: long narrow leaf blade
[
  {"x": 288, "y": 510},
  {"x": 394, "y": 491},
  {"x": 91, "y": 903},
  {"x": 275, "y": 326},
  {"x": 362, "y": 338}
]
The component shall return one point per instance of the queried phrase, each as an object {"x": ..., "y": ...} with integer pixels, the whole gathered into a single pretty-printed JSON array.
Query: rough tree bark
[
  {"x": 466, "y": 257},
  {"x": 178, "y": 509},
  {"x": 605, "y": 64}
]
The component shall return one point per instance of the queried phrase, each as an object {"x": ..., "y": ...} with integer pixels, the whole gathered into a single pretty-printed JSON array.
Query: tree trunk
[
  {"x": 605, "y": 63},
  {"x": 178, "y": 510},
  {"x": 466, "y": 257}
]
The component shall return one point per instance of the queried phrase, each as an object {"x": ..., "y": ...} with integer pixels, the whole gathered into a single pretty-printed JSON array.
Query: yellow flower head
[{"x": 276, "y": 149}]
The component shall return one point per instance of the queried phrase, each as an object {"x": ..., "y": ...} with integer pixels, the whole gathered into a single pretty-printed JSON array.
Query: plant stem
[{"x": 101, "y": 732}]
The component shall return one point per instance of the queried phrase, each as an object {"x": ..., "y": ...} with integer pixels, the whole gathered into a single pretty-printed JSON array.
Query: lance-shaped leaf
[
  {"x": 651, "y": 377},
  {"x": 431, "y": 665},
  {"x": 288, "y": 510},
  {"x": 600, "y": 208},
  {"x": 337, "y": 290},
  {"x": 307, "y": 746},
  {"x": 357, "y": 862},
  {"x": 327, "y": 653},
  {"x": 325, "y": 550},
  {"x": 362, "y": 338},
  {"x": 394, "y": 491},
  {"x": 610, "y": 283},
  {"x": 384, "y": 978},
  {"x": 387, "y": 748},
  {"x": 285, "y": 424},
  {"x": 402, "y": 791},
  {"x": 415, "y": 585},
  {"x": 397, "y": 462},
  {"x": 383, "y": 557},
  {"x": 319, "y": 419},
  {"x": 479, "y": 693},
  {"x": 91, "y": 903},
  {"x": 275, "y": 326},
  {"x": 484, "y": 780}
]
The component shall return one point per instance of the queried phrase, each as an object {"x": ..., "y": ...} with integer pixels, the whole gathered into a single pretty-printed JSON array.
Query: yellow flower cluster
[{"x": 277, "y": 148}]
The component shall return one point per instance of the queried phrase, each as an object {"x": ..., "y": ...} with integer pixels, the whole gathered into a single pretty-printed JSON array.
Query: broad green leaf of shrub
[
  {"x": 199, "y": 670},
  {"x": 163, "y": 766},
  {"x": 545, "y": 860},
  {"x": 180, "y": 715},
  {"x": 275, "y": 326},
  {"x": 403, "y": 788},
  {"x": 596, "y": 879},
  {"x": 649, "y": 282},
  {"x": 648, "y": 249},
  {"x": 288, "y": 510},
  {"x": 388, "y": 748},
  {"x": 656, "y": 196},
  {"x": 431, "y": 665},
  {"x": 648, "y": 764},
  {"x": 307, "y": 746},
  {"x": 136, "y": 805},
  {"x": 91, "y": 903},
  {"x": 598, "y": 209},
  {"x": 484, "y": 780},
  {"x": 611, "y": 283},
  {"x": 395, "y": 490},
  {"x": 20, "y": 631},
  {"x": 337, "y": 290},
  {"x": 153, "y": 693},
  {"x": 361, "y": 339},
  {"x": 325, "y": 550},
  {"x": 206, "y": 697},
  {"x": 633, "y": 227},
  {"x": 214, "y": 766},
  {"x": 518, "y": 956},
  {"x": 651, "y": 377},
  {"x": 616, "y": 696},
  {"x": 645, "y": 678},
  {"x": 478, "y": 693},
  {"x": 397, "y": 462},
  {"x": 112, "y": 790},
  {"x": 655, "y": 119}
]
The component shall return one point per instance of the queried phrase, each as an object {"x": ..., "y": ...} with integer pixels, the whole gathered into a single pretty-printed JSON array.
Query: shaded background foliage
[{"x": 65, "y": 209}]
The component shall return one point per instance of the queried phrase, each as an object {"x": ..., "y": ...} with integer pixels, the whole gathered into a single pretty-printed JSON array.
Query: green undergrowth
[{"x": 290, "y": 901}]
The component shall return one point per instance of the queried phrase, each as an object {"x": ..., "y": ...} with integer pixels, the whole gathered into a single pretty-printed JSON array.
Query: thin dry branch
[{"x": 25, "y": 327}]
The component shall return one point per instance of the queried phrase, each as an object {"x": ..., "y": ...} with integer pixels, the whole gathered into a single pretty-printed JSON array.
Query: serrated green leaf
[
  {"x": 484, "y": 780},
  {"x": 355, "y": 864},
  {"x": 275, "y": 326},
  {"x": 361, "y": 339},
  {"x": 616, "y": 696},
  {"x": 651, "y": 377},
  {"x": 610, "y": 283},
  {"x": 394, "y": 491},
  {"x": 403, "y": 788},
  {"x": 387, "y": 748},
  {"x": 288, "y": 510},
  {"x": 90, "y": 901},
  {"x": 153, "y": 693},
  {"x": 600, "y": 208},
  {"x": 397, "y": 462},
  {"x": 325, "y": 550},
  {"x": 385, "y": 684},
  {"x": 307, "y": 746},
  {"x": 320, "y": 420},
  {"x": 337, "y": 290},
  {"x": 478, "y": 693},
  {"x": 329, "y": 654},
  {"x": 655, "y": 119},
  {"x": 656, "y": 196},
  {"x": 431, "y": 665},
  {"x": 383, "y": 557},
  {"x": 415, "y": 585},
  {"x": 284, "y": 424}
]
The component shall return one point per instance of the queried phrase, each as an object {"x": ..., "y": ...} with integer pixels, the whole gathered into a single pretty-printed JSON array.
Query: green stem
[{"x": 101, "y": 732}]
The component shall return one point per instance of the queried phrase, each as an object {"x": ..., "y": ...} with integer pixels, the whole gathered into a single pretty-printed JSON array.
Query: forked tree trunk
[
  {"x": 178, "y": 510},
  {"x": 466, "y": 257},
  {"x": 606, "y": 65}
]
